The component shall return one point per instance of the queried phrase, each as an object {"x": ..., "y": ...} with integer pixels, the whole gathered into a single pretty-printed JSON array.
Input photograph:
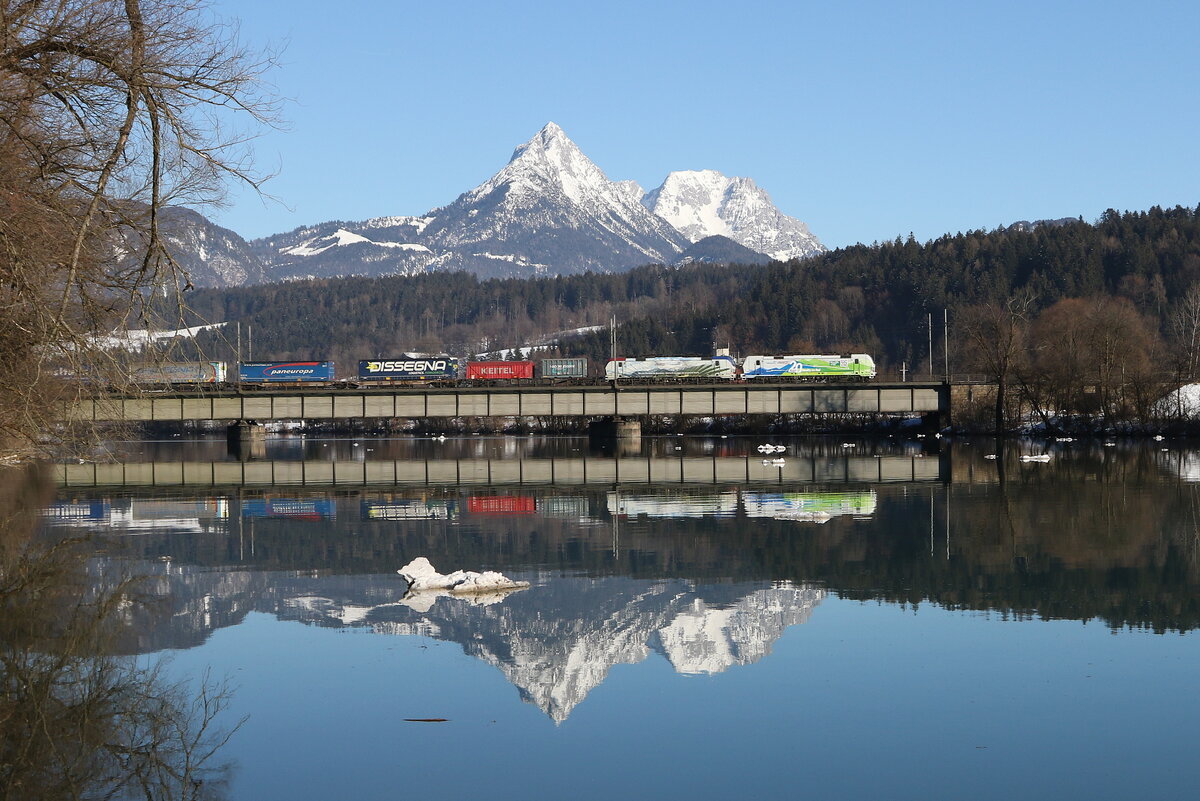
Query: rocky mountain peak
[
  {"x": 549, "y": 163},
  {"x": 703, "y": 203}
]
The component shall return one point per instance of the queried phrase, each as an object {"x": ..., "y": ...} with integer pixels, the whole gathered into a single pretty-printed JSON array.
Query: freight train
[{"x": 449, "y": 371}]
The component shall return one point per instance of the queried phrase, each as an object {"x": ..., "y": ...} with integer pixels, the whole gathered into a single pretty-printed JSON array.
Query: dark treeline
[{"x": 875, "y": 298}]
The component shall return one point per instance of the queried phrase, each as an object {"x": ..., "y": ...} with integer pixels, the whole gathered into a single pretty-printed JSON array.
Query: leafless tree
[
  {"x": 1185, "y": 327},
  {"x": 110, "y": 110},
  {"x": 1096, "y": 356},
  {"x": 77, "y": 719},
  {"x": 994, "y": 340}
]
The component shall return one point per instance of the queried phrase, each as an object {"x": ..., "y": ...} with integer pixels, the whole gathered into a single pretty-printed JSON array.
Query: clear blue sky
[{"x": 867, "y": 120}]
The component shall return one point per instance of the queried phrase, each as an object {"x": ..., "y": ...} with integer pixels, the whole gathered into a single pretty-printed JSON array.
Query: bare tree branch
[{"x": 110, "y": 110}]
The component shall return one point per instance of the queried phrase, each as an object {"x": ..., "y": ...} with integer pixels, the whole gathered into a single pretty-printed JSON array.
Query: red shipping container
[
  {"x": 489, "y": 371},
  {"x": 501, "y": 505}
]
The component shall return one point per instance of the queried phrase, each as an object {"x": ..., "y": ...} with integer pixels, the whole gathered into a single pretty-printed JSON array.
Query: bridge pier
[
  {"x": 614, "y": 428},
  {"x": 246, "y": 440}
]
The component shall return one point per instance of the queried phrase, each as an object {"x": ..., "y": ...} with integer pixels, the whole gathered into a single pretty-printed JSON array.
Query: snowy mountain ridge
[
  {"x": 549, "y": 211},
  {"x": 703, "y": 203}
]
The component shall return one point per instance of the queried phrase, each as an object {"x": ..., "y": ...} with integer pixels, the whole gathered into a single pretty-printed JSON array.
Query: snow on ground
[
  {"x": 140, "y": 338},
  {"x": 517, "y": 260},
  {"x": 419, "y": 223},
  {"x": 1183, "y": 402},
  {"x": 340, "y": 238},
  {"x": 547, "y": 342},
  {"x": 402, "y": 246}
]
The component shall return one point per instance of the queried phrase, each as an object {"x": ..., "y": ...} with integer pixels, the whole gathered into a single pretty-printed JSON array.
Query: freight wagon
[
  {"x": 285, "y": 372},
  {"x": 564, "y": 368},
  {"x": 855, "y": 365},
  {"x": 499, "y": 371},
  {"x": 672, "y": 368},
  {"x": 179, "y": 373},
  {"x": 419, "y": 369}
]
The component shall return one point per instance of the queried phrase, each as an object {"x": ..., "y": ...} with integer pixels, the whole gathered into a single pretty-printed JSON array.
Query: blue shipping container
[
  {"x": 430, "y": 368},
  {"x": 274, "y": 372}
]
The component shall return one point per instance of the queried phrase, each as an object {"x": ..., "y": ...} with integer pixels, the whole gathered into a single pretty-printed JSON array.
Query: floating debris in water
[{"x": 421, "y": 575}]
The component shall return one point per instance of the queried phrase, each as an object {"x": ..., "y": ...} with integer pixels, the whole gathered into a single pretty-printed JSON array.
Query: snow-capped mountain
[
  {"x": 552, "y": 210},
  {"x": 549, "y": 211},
  {"x": 703, "y": 203}
]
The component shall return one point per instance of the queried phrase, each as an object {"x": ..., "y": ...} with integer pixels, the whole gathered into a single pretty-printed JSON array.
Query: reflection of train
[
  {"x": 290, "y": 508},
  {"x": 390, "y": 507},
  {"x": 417, "y": 369},
  {"x": 720, "y": 504},
  {"x": 814, "y": 507},
  {"x": 501, "y": 505},
  {"x": 140, "y": 515}
]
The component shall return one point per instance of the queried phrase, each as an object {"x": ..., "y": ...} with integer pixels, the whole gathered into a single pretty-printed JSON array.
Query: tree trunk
[{"x": 1001, "y": 390}]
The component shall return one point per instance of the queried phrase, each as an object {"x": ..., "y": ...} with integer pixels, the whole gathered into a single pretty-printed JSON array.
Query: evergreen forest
[{"x": 881, "y": 299}]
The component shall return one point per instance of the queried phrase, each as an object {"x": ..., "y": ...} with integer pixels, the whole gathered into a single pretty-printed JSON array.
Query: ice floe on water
[{"x": 421, "y": 576}]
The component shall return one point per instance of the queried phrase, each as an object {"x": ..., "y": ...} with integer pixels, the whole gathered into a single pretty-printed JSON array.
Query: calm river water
[{"x": 866, "y": 620}]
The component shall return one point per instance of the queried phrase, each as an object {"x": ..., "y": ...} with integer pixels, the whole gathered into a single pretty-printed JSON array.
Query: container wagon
[
  {"x": 553, "y": 369},
  {"x": 417, "y": 369},
  {"x": 499, "y": 371},
  {"x": 285, "y": 372},
  {"x": 179, "y": 373}
]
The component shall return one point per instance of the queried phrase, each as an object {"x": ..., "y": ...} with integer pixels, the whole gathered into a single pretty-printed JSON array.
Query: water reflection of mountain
[
  {"x": 555, "y": 642},
  {"x": 558, "y": 641},
  {"x": 1099, "y": 533}
]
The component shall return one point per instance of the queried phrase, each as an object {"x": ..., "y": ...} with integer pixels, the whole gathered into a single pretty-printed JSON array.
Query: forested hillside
[{"x": 872, "y": 298}]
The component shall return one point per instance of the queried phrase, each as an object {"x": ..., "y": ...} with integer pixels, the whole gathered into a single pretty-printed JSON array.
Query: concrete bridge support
[
  {"x": 247, "y": 440},
  {"x": 615, "y": 428}
]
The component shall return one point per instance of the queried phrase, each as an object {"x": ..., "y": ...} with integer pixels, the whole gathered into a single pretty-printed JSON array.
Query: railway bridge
[{"x": 612, "y": 402}]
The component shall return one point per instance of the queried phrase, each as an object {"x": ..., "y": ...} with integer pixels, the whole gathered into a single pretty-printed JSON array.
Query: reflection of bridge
[
  {"x": 570, "y": 401},
  {"x": 482, "y": 472}
]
